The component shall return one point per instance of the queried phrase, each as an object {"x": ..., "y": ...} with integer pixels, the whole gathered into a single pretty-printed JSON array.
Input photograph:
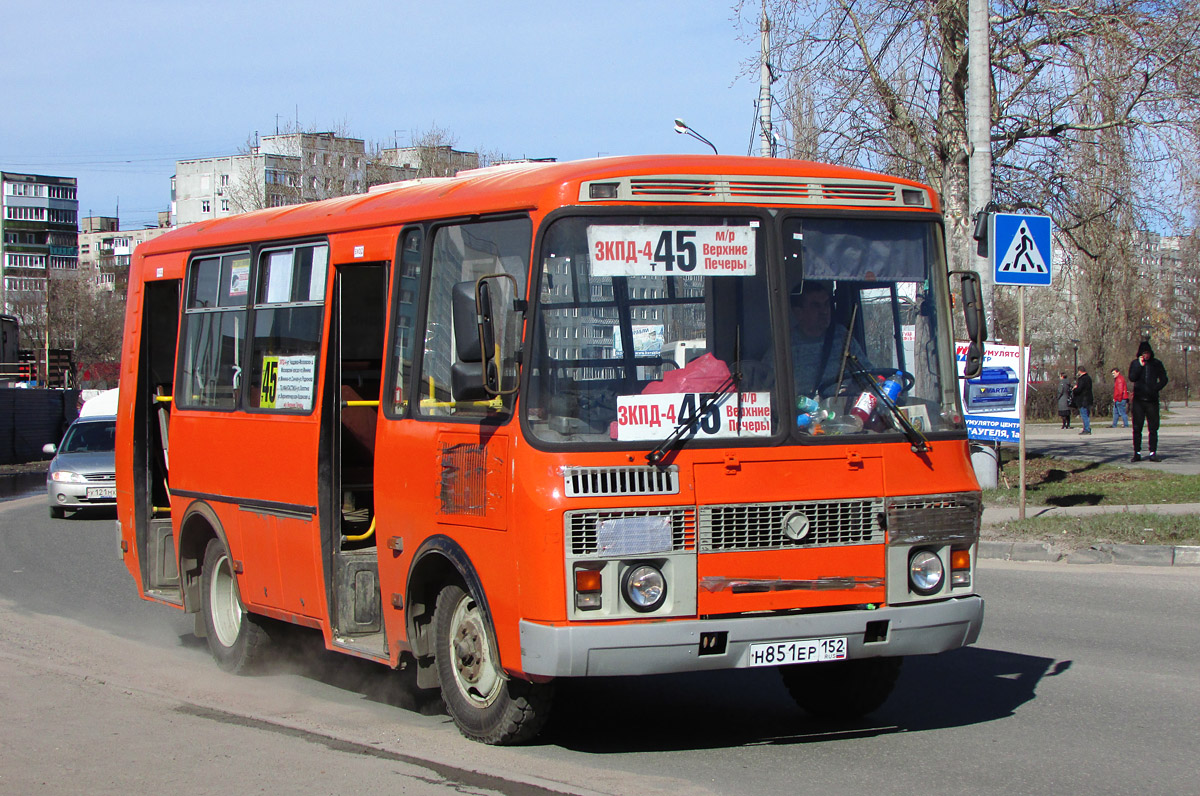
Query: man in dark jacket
[
  {"x": 1082, "y": 394},
  {"x": 1147, "y": 376}
]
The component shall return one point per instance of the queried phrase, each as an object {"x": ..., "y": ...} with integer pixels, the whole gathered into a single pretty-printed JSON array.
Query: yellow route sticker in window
[{"x": 270, "y": 382}]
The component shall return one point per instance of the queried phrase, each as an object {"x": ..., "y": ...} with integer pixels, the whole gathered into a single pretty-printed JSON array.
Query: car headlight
[
  {"x": 644, "y": 587},
  {"x": 69, "y": 476},
  {"x": 925, "y": 572}
]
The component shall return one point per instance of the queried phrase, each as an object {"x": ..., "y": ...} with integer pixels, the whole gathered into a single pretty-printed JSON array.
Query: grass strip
[
  {"x": 1114, "y": 528},
  {"x": 1052, "y": 481}
]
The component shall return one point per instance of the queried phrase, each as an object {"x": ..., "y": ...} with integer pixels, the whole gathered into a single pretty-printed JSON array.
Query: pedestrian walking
[
  {"x": 1064, "y": 400},
  {"x": 1148, "y": 377},
  {"x": 1120, "y": 398},
  {"x": 1082, "y": 395}
]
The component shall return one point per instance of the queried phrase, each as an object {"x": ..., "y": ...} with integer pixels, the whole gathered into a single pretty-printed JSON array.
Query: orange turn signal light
[
  {"x": 587, "y": 580},
  {"x": 960, "y": 559}
]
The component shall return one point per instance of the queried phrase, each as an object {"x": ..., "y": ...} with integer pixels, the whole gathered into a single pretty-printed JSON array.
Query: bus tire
[
  {"x": 484, "y": 702},
  {"x": 842, "y": 689},
  {"x": 237, "y": 639}
]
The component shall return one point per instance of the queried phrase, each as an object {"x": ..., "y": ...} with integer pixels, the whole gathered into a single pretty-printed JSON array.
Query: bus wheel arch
[
  {"x": 199, "y": 526},
  {"x": 454, "y": 639},
  {"x": 438, "y": 563}
]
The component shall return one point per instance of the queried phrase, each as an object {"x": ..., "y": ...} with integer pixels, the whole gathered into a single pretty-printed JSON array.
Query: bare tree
[
  {"x": 1095, "y": 114},
  {"x": 86, "y": 319}
]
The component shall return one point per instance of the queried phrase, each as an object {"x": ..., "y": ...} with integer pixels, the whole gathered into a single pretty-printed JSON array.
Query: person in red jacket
[{"x": 1120, "y": 398}]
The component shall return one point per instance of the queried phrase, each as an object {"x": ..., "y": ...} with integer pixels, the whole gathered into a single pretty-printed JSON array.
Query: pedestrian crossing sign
[{"x": 1020, "y": 247}]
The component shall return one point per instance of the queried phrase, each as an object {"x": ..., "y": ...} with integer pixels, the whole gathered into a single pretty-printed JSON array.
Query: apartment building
[
  {"x": 39, "y": 217},
  {"x": 284, "y": 169},
  {"x": 1168, "y": 268},
  {"x": 292, "y": 168},
  {"x": 105, "y": 249}
]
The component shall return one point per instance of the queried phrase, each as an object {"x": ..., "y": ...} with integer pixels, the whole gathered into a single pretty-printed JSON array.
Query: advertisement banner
[{"x": 990, "y": 399}]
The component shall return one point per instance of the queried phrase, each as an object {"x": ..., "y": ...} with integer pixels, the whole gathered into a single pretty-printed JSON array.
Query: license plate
[
  {"x": 101, "y": 492},
  {"x": 809, "y": 650}
]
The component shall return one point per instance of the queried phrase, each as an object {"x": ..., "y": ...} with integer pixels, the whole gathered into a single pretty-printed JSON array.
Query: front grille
[
  {"x": 935, "y": 519},
  {"x": 589, "y": 481},
  {"x": 764, "y": 526},
  {"x": 583, "y": 531},
  {"x": 100, "y": 476}
]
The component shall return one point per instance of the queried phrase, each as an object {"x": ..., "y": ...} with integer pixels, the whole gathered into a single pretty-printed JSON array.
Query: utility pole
[
  {"x": 979, "y": 134},
  {"x": 765, "y": 133}
]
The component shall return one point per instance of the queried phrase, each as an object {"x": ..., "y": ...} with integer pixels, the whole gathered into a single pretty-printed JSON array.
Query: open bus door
[
  {"x": 355, "y": 378},
  {"x": 152, "y": 411}
]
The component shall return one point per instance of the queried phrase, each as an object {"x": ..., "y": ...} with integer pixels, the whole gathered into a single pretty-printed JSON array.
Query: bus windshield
[
  {"x": 648, "y": 323},
  {"x": 643, "y": 320}
]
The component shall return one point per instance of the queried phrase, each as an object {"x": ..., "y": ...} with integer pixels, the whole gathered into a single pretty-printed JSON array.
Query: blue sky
[{"x": 113, "y": 93}]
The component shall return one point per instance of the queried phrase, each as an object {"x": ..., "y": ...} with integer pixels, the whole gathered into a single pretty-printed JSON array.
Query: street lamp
[
  {"x": 682, "y": 128},
  {"x": 1075, "y": 357},
  {"x": 1187, "y": 388}
]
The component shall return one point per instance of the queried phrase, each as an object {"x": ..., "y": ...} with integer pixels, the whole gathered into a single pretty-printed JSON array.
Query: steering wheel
[{"x": 907, "y": 380}]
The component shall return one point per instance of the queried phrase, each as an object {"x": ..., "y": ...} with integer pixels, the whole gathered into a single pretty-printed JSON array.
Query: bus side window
[
  {"x": 214, "y": 329},
  {"x": 463, "y": 253},
  {"x": 288, "y": 314},
  {"x": 407, "y": 290}
]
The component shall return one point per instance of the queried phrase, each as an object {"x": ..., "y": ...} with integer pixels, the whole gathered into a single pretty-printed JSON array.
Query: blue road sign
[{"x": 1020, "y": 249}]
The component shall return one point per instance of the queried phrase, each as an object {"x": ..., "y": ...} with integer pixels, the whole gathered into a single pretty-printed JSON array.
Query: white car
[{"x": 83, "y": 472}]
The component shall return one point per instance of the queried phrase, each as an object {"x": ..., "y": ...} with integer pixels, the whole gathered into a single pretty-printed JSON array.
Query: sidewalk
[{"x": 1179, "y": 436}]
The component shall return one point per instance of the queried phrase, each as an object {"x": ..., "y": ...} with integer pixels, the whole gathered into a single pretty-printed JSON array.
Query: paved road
[{"x": 1084, "y": 681}]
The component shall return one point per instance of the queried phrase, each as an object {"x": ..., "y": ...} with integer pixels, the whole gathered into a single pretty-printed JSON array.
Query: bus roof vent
[
  {"x": 610, "y": 481},
  {"x": 658, "y": 187},
  {"x": 749, "y": 188}
]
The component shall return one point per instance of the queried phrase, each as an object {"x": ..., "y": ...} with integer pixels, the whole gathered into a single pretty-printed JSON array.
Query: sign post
[{"x": 1021, "y": 255}]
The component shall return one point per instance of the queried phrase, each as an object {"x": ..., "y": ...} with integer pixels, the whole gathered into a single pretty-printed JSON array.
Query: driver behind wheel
[{"x": 818, "y": 344}]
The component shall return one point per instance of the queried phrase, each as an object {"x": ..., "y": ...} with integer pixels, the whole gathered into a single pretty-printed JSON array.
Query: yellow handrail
[{"x": 367, "y": 534}]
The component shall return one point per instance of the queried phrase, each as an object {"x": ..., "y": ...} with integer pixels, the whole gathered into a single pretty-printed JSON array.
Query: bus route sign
[{"x": 1020, "y": 247}]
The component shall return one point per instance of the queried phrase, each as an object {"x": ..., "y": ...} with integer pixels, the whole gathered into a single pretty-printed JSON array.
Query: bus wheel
[
  {"x": 236, "y": 638},
  {"x": 485, "y": 703},
  {"x": 842, "y": 689}
]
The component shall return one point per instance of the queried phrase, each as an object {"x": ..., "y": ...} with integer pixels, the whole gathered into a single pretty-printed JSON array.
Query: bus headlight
[
  {"x": 644, "y": 588},
  {"x": 925, "y": 572}
]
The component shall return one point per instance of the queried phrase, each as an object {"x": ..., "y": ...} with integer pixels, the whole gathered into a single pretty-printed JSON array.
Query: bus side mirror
[
  {"x": 466, "y": 376},
  {"x": 477, "y": 371},
  {"x": 973, "y": 314}
]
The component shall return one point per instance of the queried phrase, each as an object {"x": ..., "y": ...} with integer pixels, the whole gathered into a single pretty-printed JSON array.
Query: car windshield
[
  {"x": 90, "y": 437},
  {"x": 650, "y": 326}
]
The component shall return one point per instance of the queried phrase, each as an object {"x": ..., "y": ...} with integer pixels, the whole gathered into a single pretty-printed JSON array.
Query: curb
[{"x": 1129, "y": 554}]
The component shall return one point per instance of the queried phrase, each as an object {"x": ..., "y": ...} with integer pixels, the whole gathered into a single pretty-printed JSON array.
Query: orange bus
[{"x": 621, "y": 416}]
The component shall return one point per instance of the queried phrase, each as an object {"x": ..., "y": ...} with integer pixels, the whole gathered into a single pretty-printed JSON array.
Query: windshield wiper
[
  {"x": 916, "y": 439},
  {"x": 659, "y": 451}
]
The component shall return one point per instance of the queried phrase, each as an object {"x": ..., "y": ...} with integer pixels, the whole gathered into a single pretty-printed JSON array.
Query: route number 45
[{"x": 682, "y": 255}]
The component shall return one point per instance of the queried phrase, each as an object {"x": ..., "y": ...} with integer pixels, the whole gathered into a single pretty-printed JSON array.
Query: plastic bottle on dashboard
[
  {"x": 864, "y": 407},
  {"x": 893, "y": 386}
]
